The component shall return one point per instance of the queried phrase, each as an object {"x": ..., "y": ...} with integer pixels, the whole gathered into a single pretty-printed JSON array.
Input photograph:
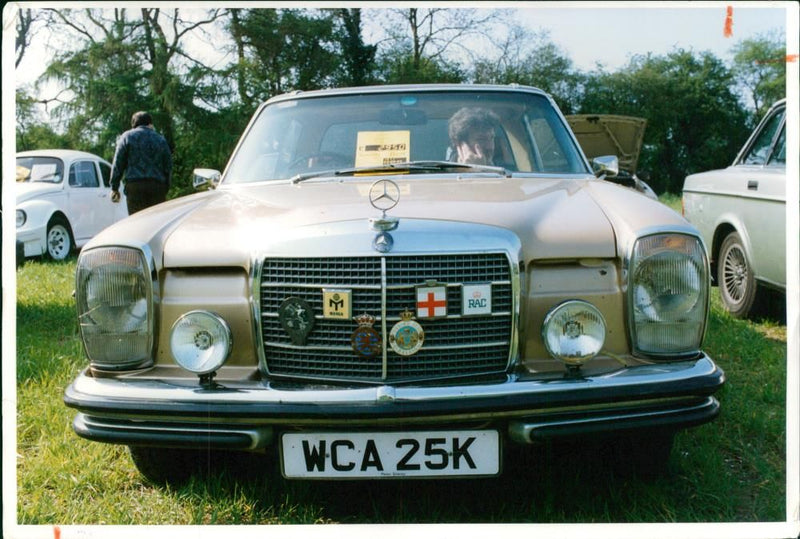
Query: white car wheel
[{"x": 59, "y": 240}]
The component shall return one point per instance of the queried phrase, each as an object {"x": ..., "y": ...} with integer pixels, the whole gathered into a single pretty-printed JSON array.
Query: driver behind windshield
[{"x": 471, "y": 133}]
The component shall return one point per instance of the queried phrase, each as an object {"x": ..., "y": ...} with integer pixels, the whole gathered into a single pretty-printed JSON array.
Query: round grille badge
[
  {"x": 297, "y": 319},
  {"x": 366, "y": 341},
  {"x": 406, "y": 336}
]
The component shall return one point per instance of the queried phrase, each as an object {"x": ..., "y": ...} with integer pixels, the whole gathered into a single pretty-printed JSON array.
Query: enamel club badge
[
  {"x": 365, "y": 340},
  {"x": 431, "y": 301},
  {"x": 297, "y": 319},
  {"x": 406, "y": 336}
]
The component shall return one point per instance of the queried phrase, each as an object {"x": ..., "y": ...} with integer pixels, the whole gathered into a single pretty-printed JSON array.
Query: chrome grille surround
[{"x": 383, "y": 286}]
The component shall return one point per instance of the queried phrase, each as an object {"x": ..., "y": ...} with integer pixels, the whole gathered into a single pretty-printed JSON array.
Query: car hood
[
  {"x": 606, "y": 134},
  {"x": 27, "y": 190},
  {"x": 553, "y": 218}
]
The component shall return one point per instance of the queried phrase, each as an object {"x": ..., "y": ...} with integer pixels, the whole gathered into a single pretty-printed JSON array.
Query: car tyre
[
  {"x": 166, "y": 466},
  {"x": 59, "y": 239},
  {"x": 738, "y": 289}
]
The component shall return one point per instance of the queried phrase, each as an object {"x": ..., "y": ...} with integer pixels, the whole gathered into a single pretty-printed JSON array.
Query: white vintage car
[
  {"x": 63, "y": 200},
  {"x": 353, "y": 295},
  {"x": 741, "y": 213}
]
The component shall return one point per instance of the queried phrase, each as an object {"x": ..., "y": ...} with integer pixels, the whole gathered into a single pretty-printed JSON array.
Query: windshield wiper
[{"x": 410, "y": 166}]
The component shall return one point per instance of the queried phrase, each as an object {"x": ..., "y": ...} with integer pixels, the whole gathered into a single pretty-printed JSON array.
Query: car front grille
[{"x": 453, "y": 346}]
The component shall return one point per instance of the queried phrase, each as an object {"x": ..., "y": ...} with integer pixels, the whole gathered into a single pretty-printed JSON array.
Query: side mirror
[
  {"x": 605, "y": 166},
  {"x": 205, "y": 178}
]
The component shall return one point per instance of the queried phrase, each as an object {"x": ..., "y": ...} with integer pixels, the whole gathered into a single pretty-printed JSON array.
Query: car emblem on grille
[
  {"x": 365, "y": 339},
  {"x": 297, "y": 319},
  {"x": 407, "y": 336},
  {"x": 383, "y": 242}
]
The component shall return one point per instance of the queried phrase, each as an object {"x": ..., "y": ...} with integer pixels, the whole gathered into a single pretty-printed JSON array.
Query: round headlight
[
  {"x": 200, "y": 342},
  {"x": 21, "y": 218},
  {"x": 574, "y": 332}
]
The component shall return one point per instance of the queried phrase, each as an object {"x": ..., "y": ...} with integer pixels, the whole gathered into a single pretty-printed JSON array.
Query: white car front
[{"x": 63, "y": 200}]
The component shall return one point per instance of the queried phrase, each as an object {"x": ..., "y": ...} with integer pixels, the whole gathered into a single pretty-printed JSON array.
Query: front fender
[{"x": 37, "y": 215}]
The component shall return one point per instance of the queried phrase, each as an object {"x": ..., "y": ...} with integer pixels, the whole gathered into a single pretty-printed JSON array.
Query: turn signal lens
[
  {"x": 574, "y": 332},
  {"x": 200, "y": 342}
]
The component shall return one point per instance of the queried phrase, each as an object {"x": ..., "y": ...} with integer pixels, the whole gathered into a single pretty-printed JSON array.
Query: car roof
[
  {"x": 61, "y": 154},
  {"x": 389, "y": 88}
]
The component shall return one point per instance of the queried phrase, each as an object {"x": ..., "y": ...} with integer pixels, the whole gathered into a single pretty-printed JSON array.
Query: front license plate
[{"x": 349, "y": 455}]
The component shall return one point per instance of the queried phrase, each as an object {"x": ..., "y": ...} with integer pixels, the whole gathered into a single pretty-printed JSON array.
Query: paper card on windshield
[{"x": 377, "y": 148}]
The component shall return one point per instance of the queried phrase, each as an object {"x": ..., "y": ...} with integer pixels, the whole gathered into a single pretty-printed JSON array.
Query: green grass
[{"x": 732, "y": 469}]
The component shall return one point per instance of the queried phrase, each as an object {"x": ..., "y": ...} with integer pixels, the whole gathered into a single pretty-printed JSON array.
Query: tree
[
  {"x": 424, "y": 45},
  {"x": 124, "y": 61},
  {"x": 279, "y": 50},
  {"x": 28, "y": 22},
  {"x": 357, "y": 58},
  {"x": 31, "y": 134},
  {"x": 759, "y": 65},
  {"x": 531, "y": 59},
  {"x": 694, "y": 120}
]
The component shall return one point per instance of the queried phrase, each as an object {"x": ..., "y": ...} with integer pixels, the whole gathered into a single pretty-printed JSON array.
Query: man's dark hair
[
  {"x": 469, "y": 120},
  {"x": 141, "y": 118}
]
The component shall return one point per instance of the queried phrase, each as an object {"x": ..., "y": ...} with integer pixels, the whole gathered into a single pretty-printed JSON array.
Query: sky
[
  {"x": 611, "y": 33},
  {"x": 590, "y": 33}
]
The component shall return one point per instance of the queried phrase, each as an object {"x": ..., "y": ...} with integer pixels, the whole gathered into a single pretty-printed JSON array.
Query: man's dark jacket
[{"x": 142, "y": 154}]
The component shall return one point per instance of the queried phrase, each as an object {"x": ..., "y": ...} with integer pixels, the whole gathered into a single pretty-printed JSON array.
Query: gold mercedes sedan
[{"x": 395, "y": 282}]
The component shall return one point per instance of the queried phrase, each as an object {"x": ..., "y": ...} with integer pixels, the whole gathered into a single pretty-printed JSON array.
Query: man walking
[{"x": 144, "y": 158}]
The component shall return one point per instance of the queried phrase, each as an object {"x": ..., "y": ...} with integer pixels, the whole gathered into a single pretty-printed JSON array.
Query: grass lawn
[{"x": 732, "y": 469}]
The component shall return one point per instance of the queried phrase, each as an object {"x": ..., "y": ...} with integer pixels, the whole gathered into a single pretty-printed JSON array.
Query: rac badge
[
  {"x": 297, "y": 319},
  {"x": 407, "y": 336},
  {"x": 365, "y": 339}
]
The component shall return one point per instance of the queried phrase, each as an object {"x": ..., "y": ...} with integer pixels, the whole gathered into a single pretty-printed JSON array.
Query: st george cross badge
[{"x": 432, "y": 301}]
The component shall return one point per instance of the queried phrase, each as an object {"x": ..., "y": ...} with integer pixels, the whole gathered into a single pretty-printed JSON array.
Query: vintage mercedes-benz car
[
  {"x": 63, "y": 200},
  {"x": 348, "y": 296},
  {"x": 741, "y": 213}
]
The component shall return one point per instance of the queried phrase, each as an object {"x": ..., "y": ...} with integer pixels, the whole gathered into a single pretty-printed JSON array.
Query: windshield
[
  {"x": 40, "y": 169},
  {"x": 517, "y": 131}
]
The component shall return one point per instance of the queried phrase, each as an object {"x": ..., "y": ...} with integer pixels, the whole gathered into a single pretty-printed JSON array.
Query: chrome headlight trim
[
  {"x": 580, "y": 313},
  {"x": 210, "y": 336},
  {"x": 694, "y": 318},
  {"x": 144, "y": 358},
  {"x": 22, "y": 218}
]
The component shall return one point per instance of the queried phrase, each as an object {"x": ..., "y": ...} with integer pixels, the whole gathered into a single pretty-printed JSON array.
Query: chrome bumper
[{"x": 247, "y": 415}]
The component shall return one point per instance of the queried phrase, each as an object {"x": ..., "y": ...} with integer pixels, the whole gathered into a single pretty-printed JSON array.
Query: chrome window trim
[{"x": 779, "y": 107}]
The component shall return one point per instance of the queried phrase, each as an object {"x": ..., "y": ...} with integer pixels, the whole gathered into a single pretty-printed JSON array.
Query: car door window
[
  {"x": 83, "y": 174},
  {"x": 105, "y": 171},
  {"x": 778, "y": 157},
  {"x": 759, "y": 151}
]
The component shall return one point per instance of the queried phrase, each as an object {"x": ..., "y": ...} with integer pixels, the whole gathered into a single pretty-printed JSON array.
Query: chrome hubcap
[{"x": 735, "y": 273}]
